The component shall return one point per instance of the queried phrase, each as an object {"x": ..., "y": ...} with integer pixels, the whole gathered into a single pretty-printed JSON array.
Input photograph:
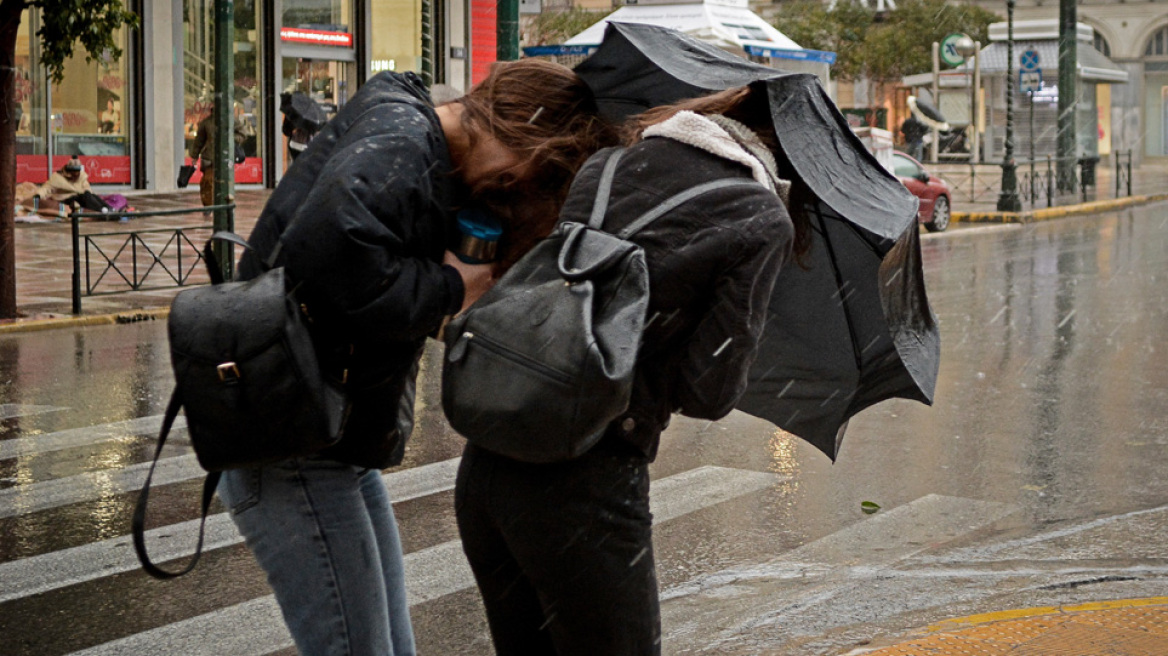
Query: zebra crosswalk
[
  {"x": 209, "y": 613},
  {"x": 252, "y": 626}
]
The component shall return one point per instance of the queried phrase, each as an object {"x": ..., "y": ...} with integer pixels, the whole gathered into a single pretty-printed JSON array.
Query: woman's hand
[{"x": 476, "y": 278}]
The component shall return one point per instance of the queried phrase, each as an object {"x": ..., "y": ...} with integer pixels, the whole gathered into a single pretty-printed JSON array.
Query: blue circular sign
[{"x": 1029, "y": 60}]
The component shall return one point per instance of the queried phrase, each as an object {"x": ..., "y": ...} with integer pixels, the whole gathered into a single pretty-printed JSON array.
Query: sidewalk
[
  {"x": 44, "y": 262},
  {"x": 1149, "y": 183}
]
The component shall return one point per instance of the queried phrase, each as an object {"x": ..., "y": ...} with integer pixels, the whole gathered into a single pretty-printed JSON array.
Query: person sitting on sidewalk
[{"x": 70, "y": 185}]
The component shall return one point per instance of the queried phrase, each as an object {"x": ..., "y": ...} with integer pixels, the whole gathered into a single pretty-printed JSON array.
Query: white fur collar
[{"x": 701, "y": 132}]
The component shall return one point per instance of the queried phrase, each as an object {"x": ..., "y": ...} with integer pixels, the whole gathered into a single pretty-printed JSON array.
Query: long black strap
[
  {"x": 212, "y": 261},
  {"x": 139, "y": 521}
]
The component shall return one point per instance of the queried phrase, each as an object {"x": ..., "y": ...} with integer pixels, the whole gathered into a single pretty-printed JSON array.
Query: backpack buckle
[{"x": 228, "y": 372}]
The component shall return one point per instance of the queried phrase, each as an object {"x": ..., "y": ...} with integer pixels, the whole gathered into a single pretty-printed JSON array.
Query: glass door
[{"x": 327, "y": 82}]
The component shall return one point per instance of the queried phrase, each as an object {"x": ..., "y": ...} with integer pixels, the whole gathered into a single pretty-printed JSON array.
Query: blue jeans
[{"x": 325, "y": 534}]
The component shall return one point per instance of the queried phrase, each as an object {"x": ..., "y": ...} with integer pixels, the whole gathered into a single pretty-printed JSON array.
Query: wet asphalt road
[{"x": 1037, "y": 478}]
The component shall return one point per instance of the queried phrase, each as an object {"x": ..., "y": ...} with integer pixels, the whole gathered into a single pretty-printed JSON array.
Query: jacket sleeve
[
  {"x": 199, "y": 143},
  {"x": 348, "y": 239},
  {"x": 712, "y": 371}
]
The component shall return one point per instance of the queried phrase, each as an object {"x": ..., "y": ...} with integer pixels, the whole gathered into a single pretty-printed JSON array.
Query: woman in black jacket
[
  {"x": 363, "y": 221},
  {"x": 562, "y": 553}
]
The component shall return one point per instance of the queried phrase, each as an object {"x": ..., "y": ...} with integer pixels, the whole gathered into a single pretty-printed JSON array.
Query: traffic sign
[
  {"x": 1030, "y": 81},
  {"x": 1029, "y": 60},
  {"x": 949, "y": 53}
]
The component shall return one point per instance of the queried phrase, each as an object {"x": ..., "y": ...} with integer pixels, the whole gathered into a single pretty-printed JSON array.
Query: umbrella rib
[{"x": 839, "y": 281}]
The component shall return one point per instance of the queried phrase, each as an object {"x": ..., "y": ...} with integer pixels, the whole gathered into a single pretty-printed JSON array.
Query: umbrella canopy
[
  {"x": 928, "y": 114},
  {"x": 302, "y": 111},
  {"x": 854, "y": 327}
]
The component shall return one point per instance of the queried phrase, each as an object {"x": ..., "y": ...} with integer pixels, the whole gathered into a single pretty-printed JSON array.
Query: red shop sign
[{"x": 316, "y": 37}]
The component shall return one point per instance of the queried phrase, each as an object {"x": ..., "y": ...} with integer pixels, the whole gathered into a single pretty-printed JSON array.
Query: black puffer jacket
[
  {"x": 364, "y": 218},
  {"x": 712, "y": 264}
]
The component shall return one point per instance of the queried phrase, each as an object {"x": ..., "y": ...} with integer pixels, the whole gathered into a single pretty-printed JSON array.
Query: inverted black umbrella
[
  {"x": 302, "y": 112},
  {"x": 928, "y": 109},
  {"x": 854, "y": 327}
]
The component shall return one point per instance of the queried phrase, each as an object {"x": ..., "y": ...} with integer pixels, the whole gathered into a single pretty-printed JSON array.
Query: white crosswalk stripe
[
  {"x": 67, "y": 567},
  {"x": 79, "y": 437},
  {"x": 10, "y": 410},
  {"x": 45, "y": 495},
  {"x": 255, "y": 627}
]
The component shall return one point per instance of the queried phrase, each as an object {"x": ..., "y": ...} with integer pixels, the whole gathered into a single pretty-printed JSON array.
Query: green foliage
[
  {"x": 885, "y": 51},
  {"x": 92, "y": 23},
  {"x": 841, "y": 30},
  {"x": 554, "y": 27}
]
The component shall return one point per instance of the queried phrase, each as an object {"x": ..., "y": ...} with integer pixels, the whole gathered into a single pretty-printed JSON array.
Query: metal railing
[
  {"x": 138, "y": 260},
  {"x": 1039, "y": 179},
  {"x": 970, "y": 182}
]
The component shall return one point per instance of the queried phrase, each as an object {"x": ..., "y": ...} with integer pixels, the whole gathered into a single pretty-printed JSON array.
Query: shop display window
[
  {"x": 199, "y": 82},
  {"x": 85, "y": 115}
]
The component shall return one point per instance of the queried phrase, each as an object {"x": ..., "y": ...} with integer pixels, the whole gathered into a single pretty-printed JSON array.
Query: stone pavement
[{"x": 44, "y": 259}]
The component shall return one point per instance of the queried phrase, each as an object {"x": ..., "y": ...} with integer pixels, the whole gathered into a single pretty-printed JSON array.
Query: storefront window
[
  {"x": 327, "y": 16},
  {"x": 396, "y": 36},
  {"x": 199, "y": 81},
  {"x": 87, "y": 112}
]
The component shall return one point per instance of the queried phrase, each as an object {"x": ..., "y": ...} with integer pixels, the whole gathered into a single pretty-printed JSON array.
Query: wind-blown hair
[{"x": 545, "y": 112}]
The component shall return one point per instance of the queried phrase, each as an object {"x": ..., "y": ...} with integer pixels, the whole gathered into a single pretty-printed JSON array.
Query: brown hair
[
  {"x": 547, "y": 113},
  {"x": 751, "y": 108}
]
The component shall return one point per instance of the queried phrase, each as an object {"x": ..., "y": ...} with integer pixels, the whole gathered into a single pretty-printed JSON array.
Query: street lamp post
[{"x": 1008, "y": 200}]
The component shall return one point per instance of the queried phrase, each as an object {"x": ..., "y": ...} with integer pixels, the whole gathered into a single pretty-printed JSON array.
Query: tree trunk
[{"x": 10, "y": 11}]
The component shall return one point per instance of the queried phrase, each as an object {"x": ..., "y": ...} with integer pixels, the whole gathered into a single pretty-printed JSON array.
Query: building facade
[
  {"x": 132, "y": 120},
  {"x": 1134, "y": 36}
]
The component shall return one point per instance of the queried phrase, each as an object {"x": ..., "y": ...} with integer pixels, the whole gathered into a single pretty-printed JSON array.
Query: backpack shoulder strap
[
  {"x": 671, "y": 203},
  {"x": 600, "y": 203},
  {"x": 212, "y": 262},
  {"x": 138, "y": 525}
]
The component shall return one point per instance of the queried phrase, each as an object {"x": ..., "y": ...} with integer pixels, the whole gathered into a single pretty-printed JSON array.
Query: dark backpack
[{"x": 544, "y": 361}]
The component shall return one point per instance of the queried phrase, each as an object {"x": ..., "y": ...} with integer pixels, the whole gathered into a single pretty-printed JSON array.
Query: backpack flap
[
  {"x": 589, "y": 254},
  {"x": 247, "y": 374}
]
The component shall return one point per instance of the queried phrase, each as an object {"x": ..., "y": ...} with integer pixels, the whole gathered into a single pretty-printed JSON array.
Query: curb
[
  {"x": 69, "y": 321},
  {"x": 1049, "y": 213}
]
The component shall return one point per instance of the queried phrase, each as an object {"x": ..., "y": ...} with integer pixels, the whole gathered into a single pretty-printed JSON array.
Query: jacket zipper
[{"x": 518, "y": 358}]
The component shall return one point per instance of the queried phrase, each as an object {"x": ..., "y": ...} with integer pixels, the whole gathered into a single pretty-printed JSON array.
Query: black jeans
[{"x": 562, "y": 553}]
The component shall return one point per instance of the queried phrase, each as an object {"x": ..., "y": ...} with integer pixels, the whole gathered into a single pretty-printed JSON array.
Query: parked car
[{"x": 933, "y": 192}]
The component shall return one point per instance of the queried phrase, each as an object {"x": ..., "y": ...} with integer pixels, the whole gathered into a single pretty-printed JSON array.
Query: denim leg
[
  {"x": 310, "y": 528},
  {"x": 392, "y": 564}
]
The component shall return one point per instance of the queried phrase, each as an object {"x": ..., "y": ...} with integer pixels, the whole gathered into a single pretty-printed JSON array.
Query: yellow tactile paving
[{"x": 1129, "y": 627}]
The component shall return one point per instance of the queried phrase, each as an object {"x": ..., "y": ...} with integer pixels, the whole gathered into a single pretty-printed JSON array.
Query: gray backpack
[{"x": 544, "y": 361}]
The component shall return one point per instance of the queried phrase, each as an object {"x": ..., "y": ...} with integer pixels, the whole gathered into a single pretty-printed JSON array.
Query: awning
[
  {"x": 721, "y": 25},
  {"x": 1093, "y": 65}
]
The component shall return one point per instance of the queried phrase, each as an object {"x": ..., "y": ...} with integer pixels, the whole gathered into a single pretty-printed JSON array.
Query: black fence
[
  {"x": 123, "y": 261},
  {"x": 1041, "y": 179}
]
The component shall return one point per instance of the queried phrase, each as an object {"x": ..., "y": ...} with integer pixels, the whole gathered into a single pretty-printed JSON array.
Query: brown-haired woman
[
  {"x": 563, "y": 552},
  {"x": 362, "y": 221}
]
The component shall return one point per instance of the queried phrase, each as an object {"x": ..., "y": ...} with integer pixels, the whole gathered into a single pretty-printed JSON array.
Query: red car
[{"x": 932, "y": 191}]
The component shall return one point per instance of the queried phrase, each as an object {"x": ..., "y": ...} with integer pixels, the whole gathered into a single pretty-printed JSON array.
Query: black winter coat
[
  {"x": 712, "y": 265},
  {"x": 364, "y": 216}
]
